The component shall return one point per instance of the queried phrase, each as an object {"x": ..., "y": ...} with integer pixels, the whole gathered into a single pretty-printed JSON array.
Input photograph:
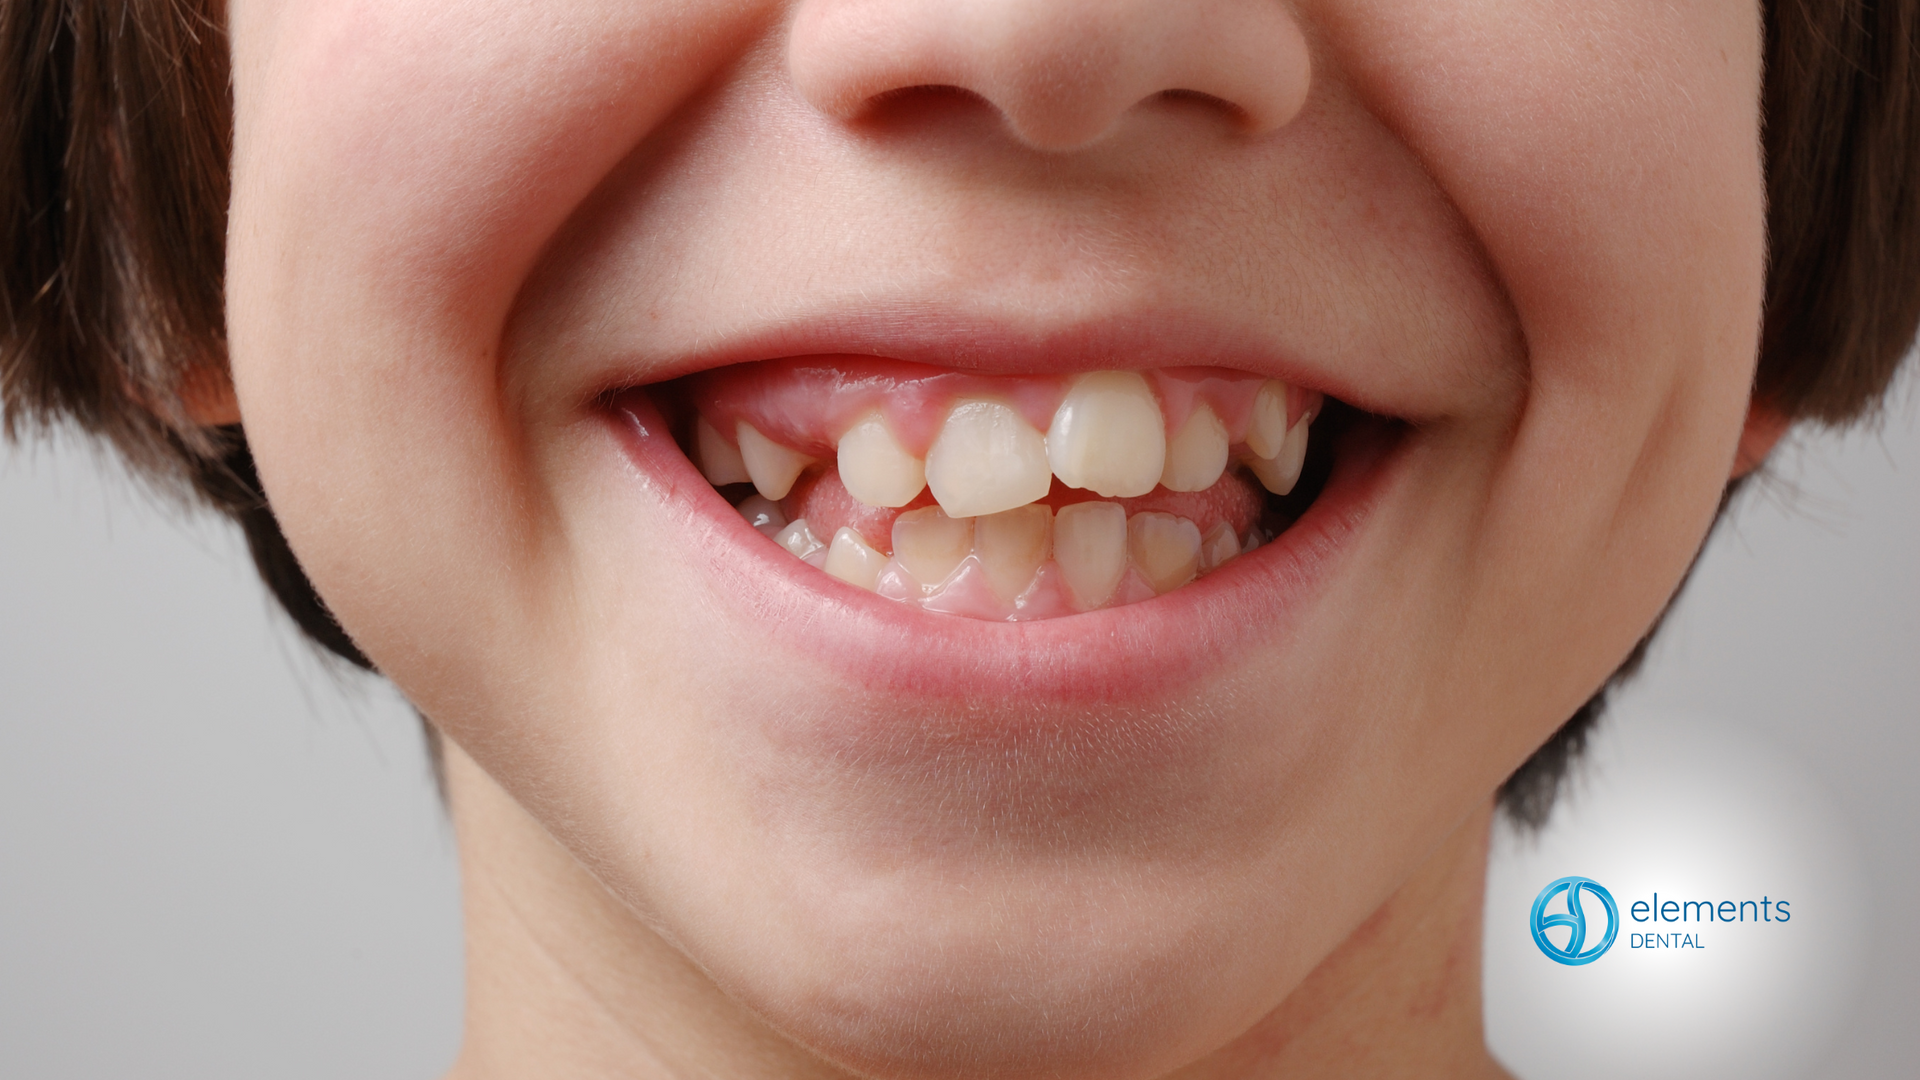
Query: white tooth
[
  {"x": 875, "y": 468},
  {"x": 1220, "y": 547},
  {"x": 798, "y": 539},
  {"x": 719, "y": 462},
  {"x": 986, "y": 459},
  {"x": 1108, "y": 436},
  {"x": 1090, "y": 546},
  {"x": 763, "y": 514},
  {"x": 772, "y": 467},
  {"x": 1198, "y": 454},
  {"x": 1011, "y": 545},
  {"x": 1165, "y": 549},
  {"x": 1278, "y": 472},
  {"x": 930, "y": 545},
  {"x": 1268, "y": 426},
  {"x": 853, "y": 560}
]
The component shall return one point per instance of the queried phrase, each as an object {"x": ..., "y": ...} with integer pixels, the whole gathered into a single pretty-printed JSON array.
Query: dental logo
[{"x": 1574, "y": 950}]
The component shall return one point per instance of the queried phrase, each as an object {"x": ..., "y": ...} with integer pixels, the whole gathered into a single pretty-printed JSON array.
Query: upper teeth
[{"x": 1107, "y": 435}]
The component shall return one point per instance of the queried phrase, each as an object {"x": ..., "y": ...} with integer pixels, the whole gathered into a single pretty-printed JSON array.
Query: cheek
[{"x": 398, "y": 167}]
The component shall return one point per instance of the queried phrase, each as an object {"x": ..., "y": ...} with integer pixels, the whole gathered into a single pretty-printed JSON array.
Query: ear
[
  {"x": 207, "y": 394},
  {"x": 1765, "y": 424}
]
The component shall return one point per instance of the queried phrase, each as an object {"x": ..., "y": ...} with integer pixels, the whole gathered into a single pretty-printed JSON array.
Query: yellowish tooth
[
  {"x": 772, "y": 467},
  {"x": 929, "y": 545},
  {"x": 875, "y": 468},
  {"x": 1090, "y": 546},
  {"x": 853, "y": 560},
  {"x": 1198, "y": 453},
  {"x": 986, "y": 459},
  {"x": 1165, "y": 549},
  {"x": 719, "y": 462},
  {"x": 798, "y": 539},
  {"x": 1267, "y": 428},
  {"x": 1011, "y": 545},
  {"x": 1278, "y": 472},
  {"x": 1219, "y": 547},
  {"x": 1108, "y": 436}
]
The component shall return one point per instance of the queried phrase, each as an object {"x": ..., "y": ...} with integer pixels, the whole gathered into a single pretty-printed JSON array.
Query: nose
[{"x": 1062, "y": 72}]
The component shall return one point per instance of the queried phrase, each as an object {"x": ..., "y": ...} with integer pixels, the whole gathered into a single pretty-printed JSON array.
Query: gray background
[{"x": 220, "y": 857}]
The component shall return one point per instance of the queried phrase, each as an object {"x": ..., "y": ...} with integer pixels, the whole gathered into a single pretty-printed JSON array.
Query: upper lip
[{"x": 950, "y": 336}]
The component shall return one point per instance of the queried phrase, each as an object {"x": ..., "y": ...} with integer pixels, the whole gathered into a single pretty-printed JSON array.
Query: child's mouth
[{"x": 1006, "y": 497}]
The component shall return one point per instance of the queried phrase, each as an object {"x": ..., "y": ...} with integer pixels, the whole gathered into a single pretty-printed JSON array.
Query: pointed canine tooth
[
  {"x": 719, "y": 462},
  {"x": 1267, "y": 428},
  {"x": 1219, "y": 547},
  {"x": 929, "y": 545},
  {"x": 1278, "y": 472},
  {"x": 773, "y": 467},
  {"x": 1011, "y": 545},
  {"x": 853, "y": 560},
  {"x": 986, "y": 459},
  {"x": 1165, "y": 549},
  {"x": 763, "y": 513},
  {"x": 875, "y": 468},
  {"x": 798, "y": 539},
  {"x": 1108, "y": 436},
  {"x": 1090, "y": 546},
  {"x": 1198, "y": 453}
]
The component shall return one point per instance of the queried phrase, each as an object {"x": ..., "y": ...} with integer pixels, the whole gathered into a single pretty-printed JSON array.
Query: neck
[{"x": 562, "y": 979}]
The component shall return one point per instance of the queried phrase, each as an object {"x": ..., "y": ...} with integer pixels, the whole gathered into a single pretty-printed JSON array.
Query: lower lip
[{"x": 1138, "y": 652}]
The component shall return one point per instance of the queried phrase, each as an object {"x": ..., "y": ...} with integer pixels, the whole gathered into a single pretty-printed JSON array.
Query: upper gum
[{"x": 807, "y": 403}]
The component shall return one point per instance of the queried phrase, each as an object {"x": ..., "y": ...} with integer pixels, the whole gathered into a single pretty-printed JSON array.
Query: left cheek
[{"x": 398, "y": 168}]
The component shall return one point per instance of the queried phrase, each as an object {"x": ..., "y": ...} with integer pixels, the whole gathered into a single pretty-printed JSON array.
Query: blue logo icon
[{"x": 1575, "y": 951}]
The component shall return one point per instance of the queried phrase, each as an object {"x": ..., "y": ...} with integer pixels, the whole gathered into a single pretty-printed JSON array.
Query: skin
[{"x": 695, "y": 846}]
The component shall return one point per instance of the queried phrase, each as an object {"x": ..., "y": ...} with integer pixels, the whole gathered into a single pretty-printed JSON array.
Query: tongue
[{"x": 820, "y": 498}]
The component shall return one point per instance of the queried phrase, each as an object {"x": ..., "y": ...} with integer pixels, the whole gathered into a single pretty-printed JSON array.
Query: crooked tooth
[
  {"x": 1198, "y": 453},
  {"x": 1090, "y": 546},
  {"x": 1108, "y": 436},
  {"x": 853, "y": 560},
  {"x": 772, "y": 467},
  {"x": 929, "y": 545},
  {"x": 875, "y": 468},
  {"x": 798, "y": 539},
  {"x": 719, "y": 462},
  {"x": 986, "y": 459},
  {"x": 1267, "y": 428},
  {"x": 763, "y": 513},
  {"x": 1165, "y": 549},
  {"x": 1279, "y": 471},
  {"x": 1220, "y": 546},
  {"x": 1011, "y": 545}
]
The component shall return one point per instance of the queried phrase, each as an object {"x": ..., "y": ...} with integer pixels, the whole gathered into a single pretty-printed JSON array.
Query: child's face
[{"x": 1530, "y": 231}]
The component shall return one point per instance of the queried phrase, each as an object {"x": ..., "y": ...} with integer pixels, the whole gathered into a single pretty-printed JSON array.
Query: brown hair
[{"x": 114, "y": 170}]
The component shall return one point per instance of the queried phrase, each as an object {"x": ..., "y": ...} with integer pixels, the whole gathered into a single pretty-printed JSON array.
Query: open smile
[{"x": 1166, "y": 513}]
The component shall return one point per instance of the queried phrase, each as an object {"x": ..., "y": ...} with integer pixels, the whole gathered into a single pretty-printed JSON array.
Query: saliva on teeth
[{"x": 989, "y": 547}]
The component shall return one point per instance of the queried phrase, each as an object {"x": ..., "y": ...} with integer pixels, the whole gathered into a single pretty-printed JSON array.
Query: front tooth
[
  {"x": 1198, "y": 454},
  {"x": 1011, "y": 545},
  {"x": 719, "y": 462},
  {"x": 1090, "y": 546},
  {"x": 875, "y": 468},
  {"x": 798, "y": 539},
  {"x": 853, "y": 560},
  {"x": 763, "y": 514},
  {"x": 1278, "y": 472},
  {"x": 1165, "y": 549},
  {"x": 1220, "y": 546},
  {"x": 986, "y": 459},
  {"x": 1267, "y": 428},
  {"x": 772, "y": 467},
  {"x": 1108, "y": 436},
  {"x": 929, "y": 545}
]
